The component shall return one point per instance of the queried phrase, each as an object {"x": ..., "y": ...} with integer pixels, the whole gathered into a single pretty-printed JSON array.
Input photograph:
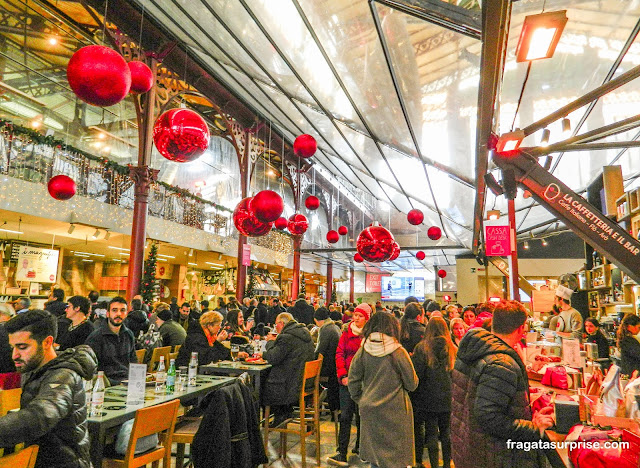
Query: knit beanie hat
[
  {"x": 164, "y": 315},
  {"x": 364, "y": 309},
  {"x": 321, "y": 313}
]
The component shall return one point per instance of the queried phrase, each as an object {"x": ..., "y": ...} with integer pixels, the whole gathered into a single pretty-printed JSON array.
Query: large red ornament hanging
[
  {"x": 305, "y": 146},
  {"x": 442, "y": 273},
  {"x": 141, "y": 77},
  {"x": 312, "y": 202},
  {"x": 99, "y": 75},
  {"x": 420, "y": 255},
  {"x": 333, "y": 237},
  {"x": 434, "y": 233},
  {"x": 267, "y": 205},
  {"x": 343, "y": 231},
  {"x": 298, "y": 224},
  {"x": 61, "y": 187},
  {"x": 358, "y": 258},
  {"x": 375, "y": 244},
  {"x": 181, "y": 135},
  {"x": 396, "y": 252},
  {"x": 415, "y": 217},
  {"x": 281, "y": 223},
  {"x": 246, "y": 222}
]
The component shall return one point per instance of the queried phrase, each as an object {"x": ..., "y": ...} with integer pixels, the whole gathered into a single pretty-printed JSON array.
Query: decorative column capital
[{"x": 143, "y": 177}]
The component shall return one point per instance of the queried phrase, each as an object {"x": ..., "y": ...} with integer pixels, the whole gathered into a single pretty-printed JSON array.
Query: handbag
[
  {"x": 556, "y": 377},
  {"x": 611, "y": 402}
]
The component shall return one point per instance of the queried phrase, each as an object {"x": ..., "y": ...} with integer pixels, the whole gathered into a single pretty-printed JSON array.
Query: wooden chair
[
  {"x": 173, "y": 356},
  {"x": 184, "y": 433},
  {"x": 140, "y": 355},
  {"x": 151, "y": 420},
  {"x": 9, "y": 400},
  {"x": 155, "y": 358},
  {"x": 25, "y": 458},
  {"x": 324, "y": 405},
  {"x": 176, "y": 348},
  {"x": 308, "y": 416}
]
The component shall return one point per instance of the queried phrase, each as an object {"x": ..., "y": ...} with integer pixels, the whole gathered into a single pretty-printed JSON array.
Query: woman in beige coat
[{"x": 380, "y": 377}]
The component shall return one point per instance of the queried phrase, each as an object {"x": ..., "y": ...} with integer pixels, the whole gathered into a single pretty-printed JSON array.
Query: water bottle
[
  {"x": 171, "y": 376},
  {"x": 97, "y": 395},
  {"x": 161, "y": 376},
  {"x": 193, "y": 369}
]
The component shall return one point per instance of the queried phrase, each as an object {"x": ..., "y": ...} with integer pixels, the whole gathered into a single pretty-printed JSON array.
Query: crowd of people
[{"x": 448, "y": 379}]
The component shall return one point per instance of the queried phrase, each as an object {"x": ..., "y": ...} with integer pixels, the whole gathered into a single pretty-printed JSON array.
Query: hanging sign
[
  {"x": 373, "y": 283},
  {"x": 37, "y": 265},
  {"x": 246, "y": 255},
  {"x": 497, "y": 240}
]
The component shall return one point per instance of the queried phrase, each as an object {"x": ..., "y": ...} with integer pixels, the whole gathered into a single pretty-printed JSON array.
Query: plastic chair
[
  {"x": 308, "y": 416},
  {"x": 140, "y": 355},
  {"x": 155, "y": 358},
  {"x": 151, "y": 420},
  {"x": 25, "y": 458},
  {"x": 9, "y": 400}
]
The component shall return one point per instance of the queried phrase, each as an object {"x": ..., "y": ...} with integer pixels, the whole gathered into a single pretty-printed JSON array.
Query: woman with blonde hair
[
  {"x": 433, "y": 360},
  {"x": 458, "y": 329}
]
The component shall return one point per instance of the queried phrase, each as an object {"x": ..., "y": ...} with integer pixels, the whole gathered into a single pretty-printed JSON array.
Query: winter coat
[
  {"x": 272, "y": 314},
  {"x": 6, "y": 361},
  {"x": 197, "y": 342},
  {"x": 53, "y": 411},
  {"x": 328, "y": 338},
  {"x": 229, "y": 434},
  {"x": 302, "y": 311},
  {"x": 56, "y": 307},
  {"x": 490, "y": 405},
  {"x": 348, "y": 346},
  {"x": 434, "y": 389},
  {"x": 416, "y": 333},
  {"x": 114, "y": 352},
  {"x": 172, "y": 333},
  {"x": 629, "y": 355},
  {"x": 287, "y": 354},
  {"x": 262, "y": 314},
  {"x": 379, "y": 382},
  {"x": 137, "y": 321},
  {"x": 70, "y": 338}
]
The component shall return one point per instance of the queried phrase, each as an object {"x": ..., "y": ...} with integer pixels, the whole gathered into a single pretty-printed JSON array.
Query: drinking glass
[{"x": 235, "y": 349}]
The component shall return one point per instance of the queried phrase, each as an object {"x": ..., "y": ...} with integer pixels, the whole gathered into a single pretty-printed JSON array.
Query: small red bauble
[
  {"x": 358, "y": 258},
  {"x": 396, "y": 252},
  {"x": 375, "y": 244},
  {"x": 343, "y": 231},
  {"x": 333, "y": 236},
  {"x": 420, "y": 255},
  {"x": 434, "y": 233},
  {"x": 267, "y": 205},
  {"x": 61, "y": 187},
  {"x": 141, "y": 77},
  {"x": 181, "y": 135},
  {"x": 246, "y": 222},
  {"x": 298, "y": 224},
  {"x": 442, "y": 273},
  {"x": 312, "y": 202},
  {"x": 281, "y": 223},
  {"x": 99, "y": 75},
  {"x": 415, "y": 217},
  {"x": 305, "y": 146}
]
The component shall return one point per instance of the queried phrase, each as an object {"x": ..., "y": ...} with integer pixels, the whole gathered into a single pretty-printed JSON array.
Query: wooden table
[
  {"x": 116, "y": 411},
  {"x": 255, "y": 371}
]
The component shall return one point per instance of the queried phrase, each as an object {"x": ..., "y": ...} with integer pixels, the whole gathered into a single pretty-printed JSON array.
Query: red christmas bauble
[
  {"x": 420, "y": 255},
  {"x": 305, "y": 146},
  {"x": 434, "y": 233},
  {"x": 312, "y": 202},
  {"x": 358, "y": 258},
  {"x": 141, "y": 77},
  {"x": 298, "y": 224},
  {"x": 442, "y": 273},
  {"x": 99, "y": 75},
  {"x": 281, "y": 223},
  {"x": 181, "y": 135},
  {"x": 267, "y": 205},
  {"x": 61, "y": 187},
  {"x": 343, "y": 231},
  {"x": 375, "y": 244},
  {"x": 396, "y": 251},
  {"x": 246, "y": 222},
  {"x": 333, "y": 237},
  {"x": 415, "y": 217}
]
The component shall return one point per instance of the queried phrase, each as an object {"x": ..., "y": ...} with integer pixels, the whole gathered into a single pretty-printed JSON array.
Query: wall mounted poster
[{"x": 37, "y": 265}]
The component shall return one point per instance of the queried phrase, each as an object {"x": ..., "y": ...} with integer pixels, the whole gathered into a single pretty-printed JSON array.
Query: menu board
[{"x": 37, "y": 265}]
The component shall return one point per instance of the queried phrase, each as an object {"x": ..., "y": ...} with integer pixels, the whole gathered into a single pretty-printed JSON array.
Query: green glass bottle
[{"x": 171, "y": 377}]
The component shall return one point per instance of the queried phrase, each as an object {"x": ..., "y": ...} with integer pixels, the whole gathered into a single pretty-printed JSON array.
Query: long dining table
[{"x": 116, "y": 410}]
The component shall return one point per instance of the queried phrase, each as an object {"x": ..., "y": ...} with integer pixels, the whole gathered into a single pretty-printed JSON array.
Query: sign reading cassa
[{"x": 497, "y": 240}]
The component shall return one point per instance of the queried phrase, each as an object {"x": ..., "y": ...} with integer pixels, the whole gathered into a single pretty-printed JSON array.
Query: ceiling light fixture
[
  {"x": 118, "y": 248},
  {"x": 166, "y": 256},
  {"x": 544, "y": 243},
  {"x": 190, "y": 252},
  {"x": 544, "y": 140},
  {"x": 566, "y": 127},
  {"x": 96, "y": 234},
  {"x": 107, "y": 235},
  {"x": 510, "y": 141},
  {"x": 71, "y": 229},
  {"x": 192, "y": 264},
  {"x": 540, "y": 35},
  {"x": 10, "y": 231},
  {"x": 493, "y": 215},
  {"x": 525, "y": 245}
]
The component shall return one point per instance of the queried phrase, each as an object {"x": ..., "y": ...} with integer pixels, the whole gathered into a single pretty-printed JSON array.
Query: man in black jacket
[
  {"x": 275, "y": 310},
  {"x": 302, "y": 311},
  {"x": 6, "y": 361},
  {"x": 53, "y": 412},
  {"x": 328, "y": 338},
  {"x": 287, "y": 353},
  {"x": 57, "y": 306},
  {"x": 490, "y": 397}
]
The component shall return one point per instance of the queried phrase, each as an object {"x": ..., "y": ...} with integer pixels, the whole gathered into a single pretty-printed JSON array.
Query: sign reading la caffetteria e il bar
[{"x": 584, "y": 219}]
